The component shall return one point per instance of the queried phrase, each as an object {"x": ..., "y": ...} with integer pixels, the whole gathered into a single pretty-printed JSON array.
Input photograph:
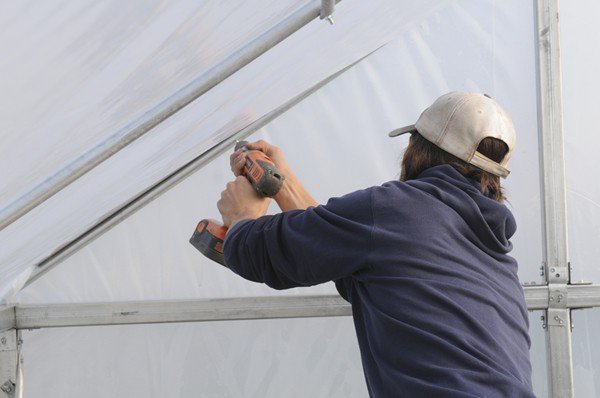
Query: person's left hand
[{"x": 240, "y": 201}]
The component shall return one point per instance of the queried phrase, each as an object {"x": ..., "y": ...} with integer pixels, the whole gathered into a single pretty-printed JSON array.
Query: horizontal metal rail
[
  {"x": 583, "y": 296},
  {"x": 7, "y": 318},
  {"x": 95, "y": 314},
  {"x": 536, "y": 297},
  {"x": 123, "y": 313}
]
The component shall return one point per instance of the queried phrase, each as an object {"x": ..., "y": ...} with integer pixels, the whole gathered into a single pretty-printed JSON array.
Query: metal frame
[
  {"x": 556, "y": 298},
  {"x": 135, "y": 312},
  {"x": 128, "y": 313},
  {"x": 10, "y": 363}
]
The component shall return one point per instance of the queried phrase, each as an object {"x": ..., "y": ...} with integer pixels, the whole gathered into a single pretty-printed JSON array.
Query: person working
[{"x": 424, "y": 261}]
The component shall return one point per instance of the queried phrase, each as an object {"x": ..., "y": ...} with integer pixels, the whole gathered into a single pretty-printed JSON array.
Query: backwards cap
[{"x": 458, "y": 121}]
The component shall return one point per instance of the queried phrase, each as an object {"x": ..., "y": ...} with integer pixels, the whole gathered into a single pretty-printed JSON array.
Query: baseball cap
[{"x": 458, "y": 121}]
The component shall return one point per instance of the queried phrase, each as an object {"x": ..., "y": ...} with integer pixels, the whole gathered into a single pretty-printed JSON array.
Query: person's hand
[
  {"x": 240, "y": 201},
  {"x": 238, "y": 158},
  {"x": 292, "y": 195}
]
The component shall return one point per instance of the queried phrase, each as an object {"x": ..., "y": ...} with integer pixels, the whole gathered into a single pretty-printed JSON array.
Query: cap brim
[{"x": 403, "y": 130}]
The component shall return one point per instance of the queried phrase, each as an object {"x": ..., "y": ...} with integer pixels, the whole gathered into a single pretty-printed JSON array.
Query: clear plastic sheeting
[
  {"x": 336, "y": 141},
  {"x": 539, "y": 358},
  {"x": 586, "y": 352},
  {"x": 293, "y": 358},
  {"x": 86, "y": 69},
  {"x": 581, "y": 86},
  {"x": 314, "y": 53}
]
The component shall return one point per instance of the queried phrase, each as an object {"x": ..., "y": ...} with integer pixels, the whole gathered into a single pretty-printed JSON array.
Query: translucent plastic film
[
  {"x": 268, "y": 358},
  {"x": 74, "y": 73},
  {"x": 336, "y": 141},
  {"x": 303, "y": 60},
  {"x": 580, "y": 87},
  {"x": 586, "y": 352}
]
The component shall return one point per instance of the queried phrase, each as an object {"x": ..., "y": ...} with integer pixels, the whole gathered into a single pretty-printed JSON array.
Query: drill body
[
  {"x": 264, "y": 177},
  {"x": 260, "y": 171}
]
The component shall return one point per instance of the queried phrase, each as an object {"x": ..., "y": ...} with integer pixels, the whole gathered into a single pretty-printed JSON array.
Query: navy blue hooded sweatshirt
[{"x": 437, "y": 305}]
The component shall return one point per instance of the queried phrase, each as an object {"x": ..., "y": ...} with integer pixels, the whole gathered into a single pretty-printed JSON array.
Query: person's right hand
[
  {"x": 238, "y": 158},
  {"x": 292, "y": 195}
]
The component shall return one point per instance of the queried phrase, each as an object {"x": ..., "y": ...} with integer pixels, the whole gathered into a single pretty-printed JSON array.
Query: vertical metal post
[
  {"x": 9, "y": 363},
  {"x": 558, "y": 315}
]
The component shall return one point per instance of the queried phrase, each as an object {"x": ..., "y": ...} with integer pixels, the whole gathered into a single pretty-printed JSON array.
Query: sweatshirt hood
[{"x": 491, "y": 221}]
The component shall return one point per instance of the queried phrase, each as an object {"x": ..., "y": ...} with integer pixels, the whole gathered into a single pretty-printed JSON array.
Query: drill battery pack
[{"x": 208, "y": 238}]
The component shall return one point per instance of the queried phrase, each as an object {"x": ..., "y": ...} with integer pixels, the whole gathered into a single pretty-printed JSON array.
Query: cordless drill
[{"x": 260, "y": 170}]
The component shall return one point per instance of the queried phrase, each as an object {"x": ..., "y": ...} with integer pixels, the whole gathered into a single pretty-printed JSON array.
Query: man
[{"x": 437, "y": 305}]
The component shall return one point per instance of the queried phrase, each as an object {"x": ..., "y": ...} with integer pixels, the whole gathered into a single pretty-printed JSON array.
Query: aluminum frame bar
[
  {"x": 7, "y": 318},
  {"x": 159, "y": 113},
  {"x": 586, "y": 295},
  {"x": 139, "y": 312},
  {"x": 10, "y": 358},
  {"x": 127, "y": 313},
  {"x": 579, "y": 296},
  {"x": 556, "y": 259}
]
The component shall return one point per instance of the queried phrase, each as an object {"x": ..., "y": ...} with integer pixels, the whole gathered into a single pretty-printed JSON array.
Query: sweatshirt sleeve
[{"x": 303, "y": 247}]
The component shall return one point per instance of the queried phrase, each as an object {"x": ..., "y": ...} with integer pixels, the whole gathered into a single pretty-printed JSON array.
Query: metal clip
[{"x": 327, "y": 7}]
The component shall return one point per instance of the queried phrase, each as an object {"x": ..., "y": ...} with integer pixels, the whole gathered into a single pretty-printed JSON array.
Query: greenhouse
[{"x": 118, "y": 122}]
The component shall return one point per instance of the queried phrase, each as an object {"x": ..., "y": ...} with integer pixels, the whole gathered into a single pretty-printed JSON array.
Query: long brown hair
[{"x": 422, "y": 154}]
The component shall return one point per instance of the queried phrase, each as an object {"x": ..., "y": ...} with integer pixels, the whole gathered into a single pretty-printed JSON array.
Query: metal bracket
[
  {"x": 327, "y": 7},
  {"x": 9, "y": 362},
  {"x": 559, "y": 274},
  {"x": 556, "y": 320},
  {"x": 557, "y": 295},
  {"x": 8, "y": 388}
]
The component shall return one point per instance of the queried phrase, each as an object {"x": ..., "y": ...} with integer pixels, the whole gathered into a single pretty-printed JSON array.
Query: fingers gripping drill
[{"x": 260, "y": 170}]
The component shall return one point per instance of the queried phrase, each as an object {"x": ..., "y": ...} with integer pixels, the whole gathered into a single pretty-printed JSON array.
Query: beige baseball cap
[{"x": 458, "y": 121}]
